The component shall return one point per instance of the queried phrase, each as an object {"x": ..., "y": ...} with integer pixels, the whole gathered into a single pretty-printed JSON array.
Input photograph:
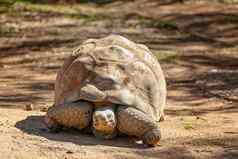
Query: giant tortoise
[{"x": 110, "y": 85}]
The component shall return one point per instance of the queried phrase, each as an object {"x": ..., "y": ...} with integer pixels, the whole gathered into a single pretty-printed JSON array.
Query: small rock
[
  {"x": 214, "y": 71},
  {"x": 29, "y": 107}
]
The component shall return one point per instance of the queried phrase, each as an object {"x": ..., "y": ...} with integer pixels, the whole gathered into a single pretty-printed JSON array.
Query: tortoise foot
[
  {"x": 152, "y": 137},
  {"x": 52, "y": 125}
]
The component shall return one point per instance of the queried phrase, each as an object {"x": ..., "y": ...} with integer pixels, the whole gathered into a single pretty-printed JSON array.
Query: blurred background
[{"x": 195, "y": 41}]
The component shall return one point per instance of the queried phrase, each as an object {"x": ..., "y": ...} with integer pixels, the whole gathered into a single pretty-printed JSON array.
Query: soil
[{"x": 195, "y": 42}]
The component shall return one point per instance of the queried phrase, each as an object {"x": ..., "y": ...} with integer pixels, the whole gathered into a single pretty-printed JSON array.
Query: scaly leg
[
  {"x": 134, "y": 122},
  {"x": 76, "y": 115}
]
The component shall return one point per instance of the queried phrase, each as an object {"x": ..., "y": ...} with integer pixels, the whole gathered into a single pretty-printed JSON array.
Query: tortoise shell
[{"x": 113, "y": 70}]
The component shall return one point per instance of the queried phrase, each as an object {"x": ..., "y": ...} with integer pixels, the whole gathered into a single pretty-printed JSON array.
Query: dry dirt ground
[{"x": 196, "y": 44}]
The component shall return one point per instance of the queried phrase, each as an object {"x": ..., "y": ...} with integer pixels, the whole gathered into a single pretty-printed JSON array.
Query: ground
[{"x": 195, "y": 42}]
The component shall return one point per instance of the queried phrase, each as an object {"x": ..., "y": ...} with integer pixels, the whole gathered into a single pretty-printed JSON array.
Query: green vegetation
[
  {"x": 148, "y": 22},
  {"x": 232, "y": 18},
  {"x": 169, "y": 25},
  {"x": 4, "y": 5},
  {"x": 188, "y": 125},
  {"x": 57, "y": 1},
  {"x": 47, "y": 8},
  {"x": 58, "y": 9},
  {"x": 166, "y": 56},
  {"x": 76, "y": 11},
  {"x": 7, "y": 31},
  {"x": 229, "y": 1}
]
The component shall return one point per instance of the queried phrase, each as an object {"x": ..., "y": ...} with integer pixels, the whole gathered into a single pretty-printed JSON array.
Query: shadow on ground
[
  {"x": 219, "y": 77},
  {"x": 35, "y": 125},
  {"x": 229, "y": 144},
  {"x": 205, "y": 78}
]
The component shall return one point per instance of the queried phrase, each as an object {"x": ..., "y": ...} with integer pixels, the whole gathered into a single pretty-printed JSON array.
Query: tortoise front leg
[
  {"x": 76, "y": 115},
  {"x": 134, "y": 122}
]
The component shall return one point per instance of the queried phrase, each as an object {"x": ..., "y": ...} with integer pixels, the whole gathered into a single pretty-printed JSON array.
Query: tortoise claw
[{"x": 152, "y": 137}]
